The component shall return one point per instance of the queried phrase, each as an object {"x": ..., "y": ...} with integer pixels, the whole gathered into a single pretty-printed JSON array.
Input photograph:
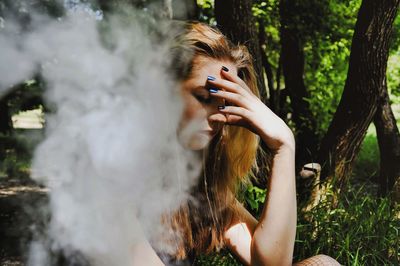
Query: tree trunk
[
  {"x": 389, "y": 143},
  {"x": 293, "y": 71},
  {"x": 5, "y": 117},
  {"x": 365, "y": 82},
  {"x": 235, "y": 19},
  {"x": 268, "y": 68}
]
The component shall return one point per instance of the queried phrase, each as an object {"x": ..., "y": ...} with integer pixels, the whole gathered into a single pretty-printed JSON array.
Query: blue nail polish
[
  {"x": 221, "y": 107},
  {"x": 210, "y": 78},
  {"x": 213, "y": 90},
  {"x": 224, "y": 68}
]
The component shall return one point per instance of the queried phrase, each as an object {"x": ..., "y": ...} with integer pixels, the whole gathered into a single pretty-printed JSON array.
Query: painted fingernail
[
  {"x": 210, "y": 78},
  {"x": 213, "y": 90},
  {"x": 221, "y": 107},
  {"x": 224, "y": 68}
]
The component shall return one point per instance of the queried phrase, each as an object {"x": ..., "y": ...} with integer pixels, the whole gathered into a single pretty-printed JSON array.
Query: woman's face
[{"x": 201, "y": 119}]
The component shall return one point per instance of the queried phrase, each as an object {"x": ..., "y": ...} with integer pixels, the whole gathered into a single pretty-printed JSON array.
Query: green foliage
[
  {"x": 267, "y": 12},
  {"x": 366, "y": 165},
  {"x": 327, "y": 55},
  {"x": 325, "y": 28},
  {"x": 206, "y": 8},
  {"x": 255, "y": 197},
  {"x": 222, "y": 258},
  {"x": 306, "y": 19},
  {"x": 395, "y": 38},
  {"x": 27, "y": 96},
  {"x": 15, "y": 156},
  {"x": 14, "y": 166},
  {"x": 393, "y": 77},
  {"x": 360, "y": 230}
]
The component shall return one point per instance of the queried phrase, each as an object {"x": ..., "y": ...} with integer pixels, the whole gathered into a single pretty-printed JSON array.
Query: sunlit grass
[
  {"x": 366, "y": 165},
  {"x": 360, "y": 230}
]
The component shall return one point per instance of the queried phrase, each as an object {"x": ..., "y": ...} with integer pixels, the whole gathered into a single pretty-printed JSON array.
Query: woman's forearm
[{"x": 274, "y": 236}]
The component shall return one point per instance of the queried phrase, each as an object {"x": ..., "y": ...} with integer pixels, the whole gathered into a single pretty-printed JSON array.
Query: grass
[
  {"x": 362, "y": 229},
  {"x": 222, "y": 258},
  {"x": 13, "y": 158},
  {"x": 366, "y": 165}
]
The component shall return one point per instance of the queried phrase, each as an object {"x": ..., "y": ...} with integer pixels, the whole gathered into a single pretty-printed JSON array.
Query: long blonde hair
[{"x": 229, "y": 160}]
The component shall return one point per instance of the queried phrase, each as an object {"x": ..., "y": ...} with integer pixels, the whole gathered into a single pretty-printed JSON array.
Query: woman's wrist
[
  {"x": 285, "y": 144},
  {"x": 288, "y": 146}
]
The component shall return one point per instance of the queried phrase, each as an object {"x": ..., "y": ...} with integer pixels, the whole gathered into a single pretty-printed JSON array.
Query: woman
[{"x": 219, "y": 90}]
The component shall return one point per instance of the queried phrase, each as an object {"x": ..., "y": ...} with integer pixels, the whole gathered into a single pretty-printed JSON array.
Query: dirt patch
[{"x": 20, "y": 200}]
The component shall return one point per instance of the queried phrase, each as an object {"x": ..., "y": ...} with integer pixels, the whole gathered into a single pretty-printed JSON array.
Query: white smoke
[{"x": 111, "y": 157}]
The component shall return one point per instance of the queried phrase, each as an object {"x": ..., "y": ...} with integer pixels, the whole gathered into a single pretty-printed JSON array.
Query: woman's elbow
[{"x": 262, "y": 255}]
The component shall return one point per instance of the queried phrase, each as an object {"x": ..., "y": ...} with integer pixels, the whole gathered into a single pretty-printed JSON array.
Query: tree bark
[
  {"x": 293, "y": 72},
  {"x": 235, "y": 19},
  {"x": 268, "y": 68},
  {"x": 365, "y": 82},
  {"x": 5, "y": 117},
  {"x": 389, "y": 143}
]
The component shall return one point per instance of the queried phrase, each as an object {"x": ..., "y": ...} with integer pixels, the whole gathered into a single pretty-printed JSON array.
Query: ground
[{"x": 18, "y": 199}]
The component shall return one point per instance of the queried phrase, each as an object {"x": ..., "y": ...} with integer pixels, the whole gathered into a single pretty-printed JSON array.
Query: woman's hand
[
  {"x": 272, "y": 241},
  {"x": 249, "y": 111}
]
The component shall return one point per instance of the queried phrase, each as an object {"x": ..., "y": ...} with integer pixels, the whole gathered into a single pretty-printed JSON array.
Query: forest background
[{"x": 329, "y": 68}]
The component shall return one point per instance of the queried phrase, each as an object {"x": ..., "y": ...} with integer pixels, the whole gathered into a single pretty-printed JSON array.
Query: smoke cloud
[{"x": 111, "y": 157}]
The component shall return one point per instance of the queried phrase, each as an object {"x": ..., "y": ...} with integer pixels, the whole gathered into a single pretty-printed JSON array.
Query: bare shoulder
[{"x": 239, "y": 233}]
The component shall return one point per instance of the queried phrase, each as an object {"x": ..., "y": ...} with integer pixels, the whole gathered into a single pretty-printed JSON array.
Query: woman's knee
[{"x": 318, "y": 260}]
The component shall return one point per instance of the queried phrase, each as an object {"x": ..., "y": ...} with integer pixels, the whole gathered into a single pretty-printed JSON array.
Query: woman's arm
[{"x": 271, "y": 240}]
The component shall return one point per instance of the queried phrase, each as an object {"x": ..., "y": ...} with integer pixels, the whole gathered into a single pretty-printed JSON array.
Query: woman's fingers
[
  {"x": 235, "y": 110},
  {"x": 218, "y": 118},
  {"x": 235, "y": 79},
  {"x": 235, "y": 91},
  {"x": 234, "y": 98},
  {"x": 227, "y": 85},
  {"x": 235, "y": 120}
]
